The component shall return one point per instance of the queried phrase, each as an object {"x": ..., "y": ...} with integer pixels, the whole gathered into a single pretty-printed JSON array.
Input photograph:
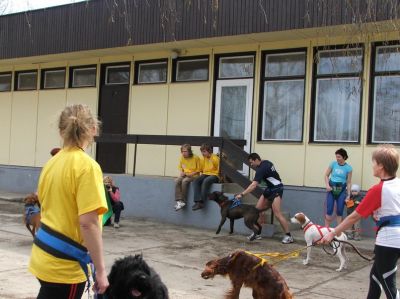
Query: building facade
[{"x": 297, "y": 79}]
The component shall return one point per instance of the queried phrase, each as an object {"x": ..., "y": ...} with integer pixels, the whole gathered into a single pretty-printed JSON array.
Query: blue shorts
[{"x": 271, "y": 193}]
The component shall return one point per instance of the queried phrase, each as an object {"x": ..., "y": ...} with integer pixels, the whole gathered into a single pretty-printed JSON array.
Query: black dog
[
  {"x": 131, "y": 278},
  {"x": 233, "y": 211}
]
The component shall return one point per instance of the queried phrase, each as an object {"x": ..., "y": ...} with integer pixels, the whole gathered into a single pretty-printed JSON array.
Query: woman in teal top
[{"x": 337, "y": 178}]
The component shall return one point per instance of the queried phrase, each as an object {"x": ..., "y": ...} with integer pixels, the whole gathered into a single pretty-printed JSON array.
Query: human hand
[
  {"x": 182, "y": 174},
  {"x": 238, "y": 196},
  {"x": 329, "y": 188},
  {"x": 101, "y": 284},
  {"x": 328, "y": 237}
]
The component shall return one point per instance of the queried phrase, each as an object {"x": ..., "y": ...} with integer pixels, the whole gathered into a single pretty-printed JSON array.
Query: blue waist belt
[
  {"x": 393, "y": 220},
  {"x": 63, "y": 247}
]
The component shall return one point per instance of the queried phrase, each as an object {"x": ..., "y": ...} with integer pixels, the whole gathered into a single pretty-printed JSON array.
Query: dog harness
[
  {"x": 393, "y": 220},
  {"x": 63, "y": 247},
  {"x": 319, "y": 228},
  {"x": 235, "y": 202},
  {"x": 30, "y": 210}
]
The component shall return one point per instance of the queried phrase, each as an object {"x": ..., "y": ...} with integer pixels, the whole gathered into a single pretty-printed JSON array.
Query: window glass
[
  {"x": 386, "y": 115},
  {"x": 285, "y": 64},
  {"x": 236, "y": 67},
  {"x": 5, "y": 82},
  {"x": 27, "y": 81},
  {"x": 192, "y": 70},
  {"x": 387, "y": 59},
  {"x": 117, "y": 74},
  {"x": 54, "y": 79},
  {"x": 339, "y": 61},
  {"x": 283, "y": 113},
  {"x": 155, "y": 72},
  {"x": 84, "y": 77},
  {"x": 337, "y": 110}
]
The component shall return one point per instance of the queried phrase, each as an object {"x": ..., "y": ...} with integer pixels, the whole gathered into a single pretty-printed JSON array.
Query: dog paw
[
  {"x": 305, "y": 262},
  {"x": 339, "y": 269},
  {"x": 217, "y": 232},
  {"x": 230, "y": 233}
]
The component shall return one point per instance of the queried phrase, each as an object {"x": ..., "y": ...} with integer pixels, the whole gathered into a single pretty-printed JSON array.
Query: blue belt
[
  {"x": 63, "y": 247},
  {"x": 393, "y": 220}
]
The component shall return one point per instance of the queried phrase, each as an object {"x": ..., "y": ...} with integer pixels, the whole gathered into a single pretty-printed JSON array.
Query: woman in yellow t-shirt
[
  {"x": 71, "y": 194},
  {"x": 209, "y": 168},
  {"x": 189, "y": 167}
]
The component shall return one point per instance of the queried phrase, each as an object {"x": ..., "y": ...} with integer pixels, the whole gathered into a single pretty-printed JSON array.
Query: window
[
  {"x": 236, "y": 67},
  {"x": 152, "y": 72},
  {"x": 5, "y": 81},
  {"x": 191, "y": 69},
  {"x": 117, "y": 74},
  {"x": 283, "y": 96},
  {"x": 54, "y": 78},
  {"x": 83, "y": 76},
  {"x": 385, "y": 123},
  {"x": 337, "y": 98},
  {"x": 26, "y": 80}
]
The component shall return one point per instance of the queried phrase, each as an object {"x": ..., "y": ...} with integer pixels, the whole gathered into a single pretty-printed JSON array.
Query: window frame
[
  {"x": 264, "y": 79},
  {"x": 16, "y": 79},
  {"x": 43, "y": 77},
  {"x": 315, "y": 78},
  {"x": 116, "y": 66},
  {"x": 218, "y": 57},
  {"x": 71, "y": 74},
  {"x": 373, "y": 74},
  {"x": 176, "y": 61},
  {"x": 138, "y": 63},
  {"x": 11, "y": 80}
]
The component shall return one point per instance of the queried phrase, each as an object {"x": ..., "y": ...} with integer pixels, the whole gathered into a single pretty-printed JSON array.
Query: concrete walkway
[{"x": 179, "y": 255}]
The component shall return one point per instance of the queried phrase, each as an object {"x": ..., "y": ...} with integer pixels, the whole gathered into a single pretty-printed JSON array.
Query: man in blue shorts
[{"x": 272, "y": 195}]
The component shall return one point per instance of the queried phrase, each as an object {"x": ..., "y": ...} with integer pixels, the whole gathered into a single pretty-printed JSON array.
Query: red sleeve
[{"x": 371, "y": 202}]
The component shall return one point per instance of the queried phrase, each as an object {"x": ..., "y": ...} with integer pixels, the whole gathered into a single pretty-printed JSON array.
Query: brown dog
[
  {"x": 247, "y": 269},
  {"x": 32, "y": 213}
]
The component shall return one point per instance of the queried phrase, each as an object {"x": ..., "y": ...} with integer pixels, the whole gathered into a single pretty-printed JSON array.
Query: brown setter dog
[
  {"x": 32, "y": 213},
  {"x": 247, "y": 269}
]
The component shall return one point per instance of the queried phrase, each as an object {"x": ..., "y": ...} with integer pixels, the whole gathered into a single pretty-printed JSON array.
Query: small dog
[
  {"x": 246, "y": 269},
  {"x": 313, "y": 233},
  {"x": 32, "y": 213},
  {"x": 132, "y": 278},
  {"x": 239, "y": 210}
]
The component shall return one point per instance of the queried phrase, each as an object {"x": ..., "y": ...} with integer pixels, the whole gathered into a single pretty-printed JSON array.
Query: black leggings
[
  {"x": 383, "y": 272},
  {"x": 49, "y": 290}
]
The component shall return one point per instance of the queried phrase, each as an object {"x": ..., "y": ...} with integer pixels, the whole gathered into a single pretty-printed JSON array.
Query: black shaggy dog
[
  {"x": 248, "y": 212},
  {"x": 131, "y": 278}
]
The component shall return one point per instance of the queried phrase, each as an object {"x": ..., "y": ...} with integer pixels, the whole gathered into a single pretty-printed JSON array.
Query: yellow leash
[{"x": 275, "y": 257}]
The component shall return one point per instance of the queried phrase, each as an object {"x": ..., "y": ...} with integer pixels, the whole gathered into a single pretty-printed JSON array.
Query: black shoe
[{"x": 197, "y": 206}]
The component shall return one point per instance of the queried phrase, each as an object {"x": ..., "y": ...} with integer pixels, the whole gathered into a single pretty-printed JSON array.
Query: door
[
  {"x": 233, "y": 105},
  {"x": 113, "y": 113}
]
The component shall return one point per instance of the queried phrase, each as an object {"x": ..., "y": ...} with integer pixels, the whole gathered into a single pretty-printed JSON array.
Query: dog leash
[{"x": 369, "y": 259}]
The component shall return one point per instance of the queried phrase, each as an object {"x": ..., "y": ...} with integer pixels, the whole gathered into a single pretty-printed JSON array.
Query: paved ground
[{"x": 179, "y": 254}]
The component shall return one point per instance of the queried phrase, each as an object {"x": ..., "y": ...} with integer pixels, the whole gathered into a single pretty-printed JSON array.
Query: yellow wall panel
[
  {"x": 148, "y": 109},
  {"x": 150, "y": 159},
  {"x": 23, "y": 128},
  {"x": 5, "y": 126},
  {"x": 51, "y": 103},
  {"x": 288, "y": 160},
  {"x": 189, "y": 109}
]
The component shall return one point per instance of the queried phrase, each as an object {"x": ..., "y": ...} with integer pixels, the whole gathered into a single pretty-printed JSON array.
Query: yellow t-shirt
[
  {"x": 189, "y": 165},
  {"x": 210, "y": 166},
  {"x": 70, "y": 184}
]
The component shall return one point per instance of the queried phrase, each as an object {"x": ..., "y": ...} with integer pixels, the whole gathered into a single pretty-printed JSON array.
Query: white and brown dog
[{"x": 313, "y": 233}]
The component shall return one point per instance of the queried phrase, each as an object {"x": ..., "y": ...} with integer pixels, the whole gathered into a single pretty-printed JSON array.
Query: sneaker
[
  {"x": 287, "y": 239},
  {"x": 253, "y": 237},
  {"x": 197, "y": 206},
  {"x": 179, "y": 205},
  {"x": 116, "y": 225}
]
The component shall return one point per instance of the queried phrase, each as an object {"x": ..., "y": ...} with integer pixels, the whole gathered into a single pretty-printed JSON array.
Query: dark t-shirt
[{"x": 266, "y": 171}]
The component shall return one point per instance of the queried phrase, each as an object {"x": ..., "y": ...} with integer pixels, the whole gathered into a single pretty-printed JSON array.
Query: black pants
[
  {"x": 49, "y": 290},
  {"x": 117, "y": 208},
  {"x": 383, "y": 272},
  {"x": 201, "y": 186}
]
